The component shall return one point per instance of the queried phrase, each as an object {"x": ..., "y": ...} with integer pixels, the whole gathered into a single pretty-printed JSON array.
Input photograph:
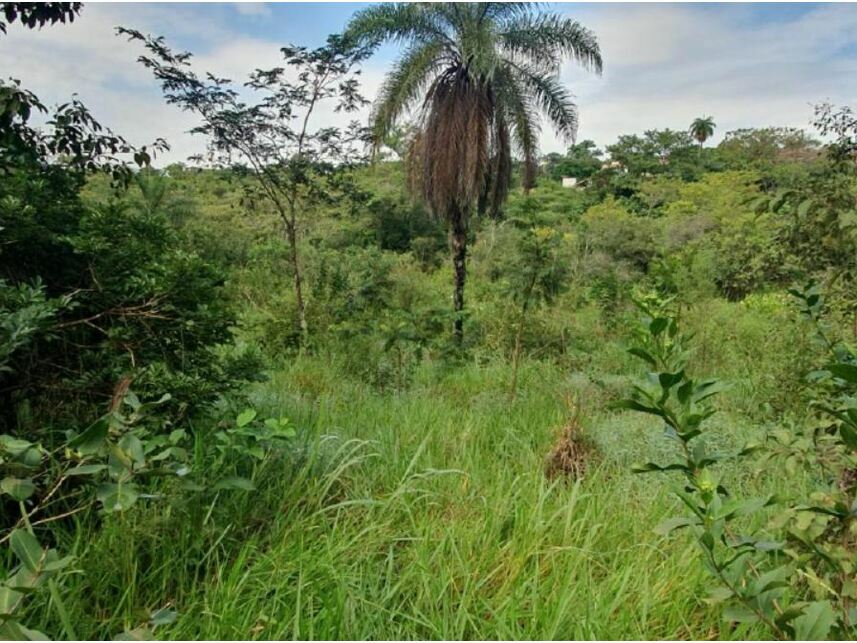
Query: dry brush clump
[{"x": 571, "y": 454}]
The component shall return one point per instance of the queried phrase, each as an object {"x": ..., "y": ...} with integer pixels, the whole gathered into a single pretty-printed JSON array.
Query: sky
[{"x": 746, "y": 65}]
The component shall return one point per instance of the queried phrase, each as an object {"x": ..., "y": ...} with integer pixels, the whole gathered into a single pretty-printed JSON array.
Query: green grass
[{"x": 422, "y": 514}]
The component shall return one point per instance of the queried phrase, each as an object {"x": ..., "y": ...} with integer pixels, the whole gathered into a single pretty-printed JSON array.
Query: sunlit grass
[{"x": 422, "y": 514}]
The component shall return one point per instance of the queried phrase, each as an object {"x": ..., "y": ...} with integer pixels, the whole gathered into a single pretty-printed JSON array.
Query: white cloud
[
  {"x": 664, "y": 65},
  {"x": 667, "y": 64},
  {"x": 253, "y": 9},
  {"x": 87, "y": 58}
]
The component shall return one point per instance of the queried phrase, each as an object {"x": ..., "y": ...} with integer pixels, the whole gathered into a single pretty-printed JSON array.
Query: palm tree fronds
[
  {"x": 522, "y": 117},
  {"x": 399, "y": 21},
  {"x": 547, "y": 36},
  {"x": 499, "y": 175},
  {"x": 553, "y": 99},
  {"x": 404, "y": 85},
  {"x": 702, "y": 129}
]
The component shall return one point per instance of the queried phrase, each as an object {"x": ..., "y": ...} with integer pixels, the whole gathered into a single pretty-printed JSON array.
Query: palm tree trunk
[{"x": 458, "y": 243}]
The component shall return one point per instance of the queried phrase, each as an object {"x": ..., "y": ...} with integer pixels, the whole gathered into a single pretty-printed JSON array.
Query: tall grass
[{"x": 421, "y": 514}]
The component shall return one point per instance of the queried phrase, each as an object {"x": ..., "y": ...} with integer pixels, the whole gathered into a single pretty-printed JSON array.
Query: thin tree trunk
[
  {"x": 291, "y": 233},
  {"x": 516, "y": 355},
  {"x": 458, "y": 242}
]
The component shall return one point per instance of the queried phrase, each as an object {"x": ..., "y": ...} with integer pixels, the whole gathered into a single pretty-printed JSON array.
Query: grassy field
[{"x": 419, "y": 514}]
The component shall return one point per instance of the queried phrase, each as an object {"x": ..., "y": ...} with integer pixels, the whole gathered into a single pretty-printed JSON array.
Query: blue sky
[{"x": 747, "y": 65}]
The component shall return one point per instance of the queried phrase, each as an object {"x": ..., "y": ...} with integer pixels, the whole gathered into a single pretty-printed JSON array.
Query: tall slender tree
[
  {"x": 479, "y": 74},
  {"x": 295, "y": 165},
  {"x": 702, "y": 129}
]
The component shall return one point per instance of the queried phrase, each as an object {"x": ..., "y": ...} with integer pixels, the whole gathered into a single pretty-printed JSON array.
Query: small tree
[
  {"x": 536, "y": 275},
  {"x": 581, "y": 161},
  {"x": 652, "y": 153},
  {"x": 295, "y": 167}
]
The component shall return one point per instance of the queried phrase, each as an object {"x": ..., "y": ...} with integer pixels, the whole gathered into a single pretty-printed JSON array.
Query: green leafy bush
[{"x": 796, "y": 576}]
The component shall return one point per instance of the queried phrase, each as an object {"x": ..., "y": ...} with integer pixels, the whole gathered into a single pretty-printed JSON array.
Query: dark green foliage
[
  {"x": 38, "y": 14},
  {"x": 656, "y": 152},
  {"x": 768, "y": 576},
  {"x": 399, "y": 223},
  {"x": 580, "y": 161},
  {"x": 136, "y": 303},
  {"x": 765, "y": 147}
]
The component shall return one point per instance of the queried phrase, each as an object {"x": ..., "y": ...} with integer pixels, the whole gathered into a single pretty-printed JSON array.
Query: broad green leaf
[
  {"x": 9, "y": 598},
  {"x": 739, "y": 614},
  {"x": 634, "y": 405},
  {"x": 92, "y": 438},
  {"x": 18, "y": 488},
  {"x": 281, "y": 428},
  {"x": 718, "y": 595},
  {"x": 86, "y": 469},
  {"x": 847, "y": 372},
  {"x": 849, "y": 434},
  {"x": 166, "y": 397},
  {"x": 815, "y": 622},
  {"x": 26, "y": 548},
  {"x": 245, "y": 417},
  {"x": 668, "y": 380},
  {"x": 54, "y": 564},
  {"x": 116, "y": 497},
  {"x": 671, "y": 524},
  {"x": 651, "y": 466},
  {"x": 24, "y": 580},
  {"x": 789, "y": 614},
  {"x": 131, "y": 445},
  {"x": 14, "y": 446},
  {"x": 736, "y": 508},
  {"x": 774, "y": 579},
  {"x": 14, "y": 631},
  {"x": 658, "y": 325},
  {"x": 706, "y": 389},
  {"x": 176, "y": 452},
  {"x": 643, "y": 355},
  {"x": 132, "y": 400}
]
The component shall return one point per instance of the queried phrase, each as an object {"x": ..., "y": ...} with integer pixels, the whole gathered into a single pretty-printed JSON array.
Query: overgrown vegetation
[{"x": 239, "y": 401}]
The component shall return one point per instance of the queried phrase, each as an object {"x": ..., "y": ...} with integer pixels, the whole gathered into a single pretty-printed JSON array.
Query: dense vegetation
[{"x": 248, "y": 401}]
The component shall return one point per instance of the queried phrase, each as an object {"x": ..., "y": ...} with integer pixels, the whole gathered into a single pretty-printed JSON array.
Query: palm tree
[
  {"x": 702, "y": 129},
  {"x": 479, "y": 74}
]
